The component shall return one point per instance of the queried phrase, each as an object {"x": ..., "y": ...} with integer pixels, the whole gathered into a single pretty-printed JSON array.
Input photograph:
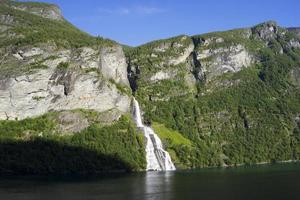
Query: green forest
[
  {"x": 33, "y": 146},
  {"x": 251, "y": 122}
]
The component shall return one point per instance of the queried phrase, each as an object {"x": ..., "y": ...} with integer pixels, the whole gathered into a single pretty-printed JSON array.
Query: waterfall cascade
[{"x": 157, "y": 158}]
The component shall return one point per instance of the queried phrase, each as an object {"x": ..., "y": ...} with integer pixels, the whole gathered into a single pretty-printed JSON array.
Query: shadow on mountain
[{"x": 42, "y": 157}]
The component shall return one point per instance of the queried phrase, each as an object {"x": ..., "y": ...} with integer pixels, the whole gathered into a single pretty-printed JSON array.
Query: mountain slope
[
  {"x": 234, "y": 94},
  {"x": 217, "y": 99},
  {"x": 47, "y": 64},
  {"x": 69, "y": 90}
]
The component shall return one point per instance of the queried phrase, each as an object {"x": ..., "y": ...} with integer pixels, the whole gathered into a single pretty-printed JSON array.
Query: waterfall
[{"x": 157, "y": 158}]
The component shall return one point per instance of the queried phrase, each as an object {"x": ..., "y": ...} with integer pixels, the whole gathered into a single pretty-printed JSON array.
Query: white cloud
[
  {"x": 115, "y": 11},
  {"x": 124, "y": 11},
  {"x": 144, "y": 10},
  {"x": 148, "y": 10}
]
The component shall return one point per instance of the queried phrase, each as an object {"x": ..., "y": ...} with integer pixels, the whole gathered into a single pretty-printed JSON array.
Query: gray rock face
[
  {"x": 87, "y": 58},
  {"x": 163, "y": 47},
  {"x": 182, "y": 57},
  {"x": 294, "y": 43},
  {"x": 32, "y": 52},
  {"x": 38, "y": 93},
  {"x": 49, "y": 11},
  {"x": 4, "y": 28},
  {"x": 6, "y": 19},
  {"x": 215, "y": 40},
  {"x": 162, "y": 75},
  {"x": 295, "y": 76},
  {"x": 215, "y": 62},
  {"x": 52, "y": 88},
  {"x": 72, "y": 122},
  {"x": 174, "y": 57},
  {"x": 194, "y": 59},
  {"x": 113, "y": 64},
  {"x": 267, "y": 30}
]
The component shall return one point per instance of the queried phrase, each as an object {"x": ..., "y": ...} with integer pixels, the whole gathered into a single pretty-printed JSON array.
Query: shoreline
[{"x": 124, "y": 172}]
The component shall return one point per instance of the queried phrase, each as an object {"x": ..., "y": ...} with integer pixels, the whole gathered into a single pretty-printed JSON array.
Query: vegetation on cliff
[
  {"x": 246, "y": 117},
  {"x": 26, "y": 28}
]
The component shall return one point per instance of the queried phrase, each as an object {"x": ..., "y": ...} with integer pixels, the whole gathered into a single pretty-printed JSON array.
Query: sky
[{"x": 135, "y": 22}]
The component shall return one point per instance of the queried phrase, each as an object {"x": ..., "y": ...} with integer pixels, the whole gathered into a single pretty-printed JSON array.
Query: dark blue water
[{"x": 256, "y": 183}]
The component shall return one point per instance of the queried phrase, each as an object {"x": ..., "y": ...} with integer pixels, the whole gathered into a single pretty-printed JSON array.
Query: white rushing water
[{"x": 157, "y": 158}]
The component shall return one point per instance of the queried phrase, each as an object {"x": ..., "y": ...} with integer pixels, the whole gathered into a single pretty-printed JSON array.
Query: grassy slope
[
  {"x": 175, "y": 144},
  {"x": 32, "y": 29},
  {"x": 26, "y": 29},
  {"x": 174, "y": 137}
]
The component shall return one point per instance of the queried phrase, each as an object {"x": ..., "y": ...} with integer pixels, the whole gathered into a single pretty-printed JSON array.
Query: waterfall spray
[{"x": 157, "y": 158}]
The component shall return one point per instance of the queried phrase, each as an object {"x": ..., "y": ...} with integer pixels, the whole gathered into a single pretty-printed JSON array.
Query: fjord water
[
  {"x": 256, "y": 183},
  {"x": 157, "y": 158}
]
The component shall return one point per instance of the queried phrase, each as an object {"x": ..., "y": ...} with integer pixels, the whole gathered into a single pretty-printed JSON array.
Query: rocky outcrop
[
  {"x": 72, "y": 122},
  {"x": 162, "y": 75},
  {"x": 53, "y": 86},
  {"x": 113, "y": 64},
  {"x": 295, "y": 76},
  {"x": 266, "y": 31},
  {"x": 38, "y": 93},
  {"x": 215, "y": 62},
  {"x": 164, "y": 60},
  {"x": 44, "y": 10},
  {"x": 163, "y": 47},
  {"x": 6, "y": 19},
  {"x": 87, "y": 58},
  {"x": 6, "y": 22},
  {"x": 293, "y": 43},
  {"x": 211, "y": 40},
  {"x": 181, "y": 57}
]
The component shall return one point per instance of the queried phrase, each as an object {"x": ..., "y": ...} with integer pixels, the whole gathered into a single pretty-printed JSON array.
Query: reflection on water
[
  {"x": 259, "y": 183},
  {"x": 158, "y": 185},
  {"x": 150, "y": 185}
]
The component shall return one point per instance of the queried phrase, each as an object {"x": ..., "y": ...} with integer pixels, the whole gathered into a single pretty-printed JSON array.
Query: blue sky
[{"x": 134, "y": 22}]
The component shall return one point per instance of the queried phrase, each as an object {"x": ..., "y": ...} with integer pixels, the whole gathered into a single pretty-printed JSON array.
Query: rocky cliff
[
  {"x": 42, "y": 77},
  {"x": 66, "y": 80},
  {"x": 203, "y": 58}
]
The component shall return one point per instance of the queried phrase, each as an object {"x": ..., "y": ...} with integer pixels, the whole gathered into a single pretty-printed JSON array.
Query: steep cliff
[{"x": 49, "y": 74}]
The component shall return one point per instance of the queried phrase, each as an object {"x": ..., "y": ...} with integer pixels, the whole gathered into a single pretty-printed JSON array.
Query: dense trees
[
  {"x": 249, "y": 122},
  {"x": 33, "y": 146}
]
